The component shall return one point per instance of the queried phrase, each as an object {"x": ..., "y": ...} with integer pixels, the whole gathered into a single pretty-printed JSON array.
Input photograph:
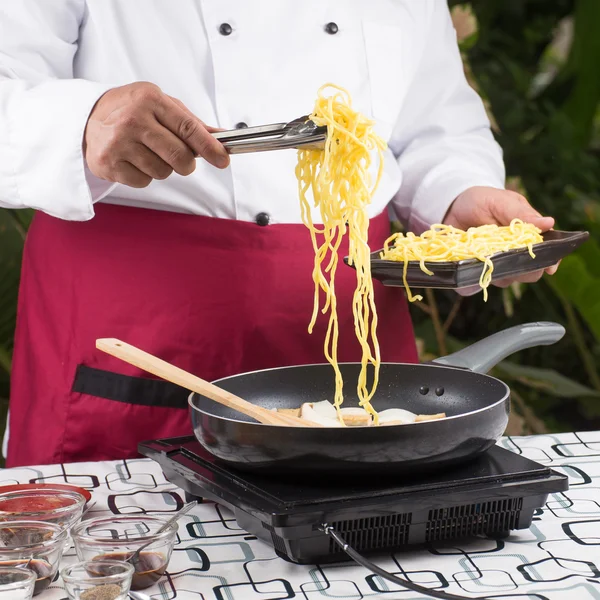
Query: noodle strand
[{"x": 340, "y": 181}]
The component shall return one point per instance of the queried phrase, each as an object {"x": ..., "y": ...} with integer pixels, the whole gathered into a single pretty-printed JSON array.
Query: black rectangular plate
[{"x": 466, "y": 273}]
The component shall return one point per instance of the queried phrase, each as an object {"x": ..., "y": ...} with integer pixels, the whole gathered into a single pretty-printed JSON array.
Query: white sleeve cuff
[
  {"x": 46, "y": 127},
  {"x": 99, "y": 188}
]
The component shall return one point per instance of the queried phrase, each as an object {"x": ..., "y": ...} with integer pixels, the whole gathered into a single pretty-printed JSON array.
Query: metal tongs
[{"x": 299, "y": 133}]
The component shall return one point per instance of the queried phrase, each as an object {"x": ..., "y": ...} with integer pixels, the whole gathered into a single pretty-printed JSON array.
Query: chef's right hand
[{"x": 136, "y": 133}]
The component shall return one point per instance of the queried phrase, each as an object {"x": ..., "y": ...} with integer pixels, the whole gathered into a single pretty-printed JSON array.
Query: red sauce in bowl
[
  {"x": 25, "y": 487},
  {"x": 34, "y": 505}
]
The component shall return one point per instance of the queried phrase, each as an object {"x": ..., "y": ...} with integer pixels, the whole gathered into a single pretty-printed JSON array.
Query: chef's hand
[
  {"x": 490, "y": 206},
  {"x": 136, "y": 133}
]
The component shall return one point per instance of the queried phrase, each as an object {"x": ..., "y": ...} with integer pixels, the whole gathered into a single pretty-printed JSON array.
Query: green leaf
[
  {"x": 426, "y": 332},
  {"x": 582, "y": 103},
  {"x": 590, "y": 254},
  {"x": 13, "y": 226},
  {"x": 575, "y": 282},
  {"x": 469, "y": 42},
  {"x": 5, "y": 359},
  {"x": 547, "y": 380}
]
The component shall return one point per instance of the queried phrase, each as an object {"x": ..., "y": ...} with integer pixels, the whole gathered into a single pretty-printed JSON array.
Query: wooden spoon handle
[{"x": 138, "y": 358}]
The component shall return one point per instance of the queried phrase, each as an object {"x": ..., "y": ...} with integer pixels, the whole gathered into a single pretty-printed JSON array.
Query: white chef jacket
[{"x": 239, "y": 61}]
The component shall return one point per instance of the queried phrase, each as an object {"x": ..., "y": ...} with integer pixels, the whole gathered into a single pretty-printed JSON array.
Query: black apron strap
[{"x": 128, "y": 389}]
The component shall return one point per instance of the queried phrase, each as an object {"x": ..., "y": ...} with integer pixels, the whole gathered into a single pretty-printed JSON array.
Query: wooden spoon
[{"x": 138, "y": 358}]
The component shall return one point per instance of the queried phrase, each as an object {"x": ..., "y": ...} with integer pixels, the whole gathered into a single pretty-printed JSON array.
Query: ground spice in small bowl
[{"x": 103, "y": 592}]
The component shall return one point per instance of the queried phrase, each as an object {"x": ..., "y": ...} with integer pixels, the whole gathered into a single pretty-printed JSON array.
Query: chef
[{"x": 146, "y": 230}]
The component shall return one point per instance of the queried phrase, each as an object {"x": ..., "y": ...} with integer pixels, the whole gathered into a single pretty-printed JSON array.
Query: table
[{"x": 558, "y": 558}]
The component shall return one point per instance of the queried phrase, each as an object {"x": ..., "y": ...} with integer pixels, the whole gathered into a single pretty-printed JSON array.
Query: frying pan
[{"x": 477, "y": 408}]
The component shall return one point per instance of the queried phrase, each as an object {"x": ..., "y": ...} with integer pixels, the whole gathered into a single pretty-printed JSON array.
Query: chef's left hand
[{"x": 491, "y": 206}]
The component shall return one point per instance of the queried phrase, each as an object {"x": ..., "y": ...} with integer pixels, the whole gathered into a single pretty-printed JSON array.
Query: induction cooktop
[{"x": 496, "y": 493}]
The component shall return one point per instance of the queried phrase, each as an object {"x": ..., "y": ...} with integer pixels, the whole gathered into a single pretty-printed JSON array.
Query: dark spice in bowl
[
  {"x": 41, "y": 568},
  {"x": 149, "y": 567}
]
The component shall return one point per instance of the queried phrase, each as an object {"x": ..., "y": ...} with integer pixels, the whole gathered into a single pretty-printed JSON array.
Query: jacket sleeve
[
  {"x": 44, "y": 110},
  {"x": 442, "y": 140}
]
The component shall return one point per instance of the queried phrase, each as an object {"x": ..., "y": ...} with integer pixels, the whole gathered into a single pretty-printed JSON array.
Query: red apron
[{"x": 214, "y": 296}]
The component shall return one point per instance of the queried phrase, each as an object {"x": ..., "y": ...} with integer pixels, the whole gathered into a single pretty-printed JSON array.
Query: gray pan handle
[{"x": 481, "y": 356}]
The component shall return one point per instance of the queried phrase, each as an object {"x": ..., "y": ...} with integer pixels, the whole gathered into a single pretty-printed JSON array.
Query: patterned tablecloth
[{"x": 558, "y": 558}]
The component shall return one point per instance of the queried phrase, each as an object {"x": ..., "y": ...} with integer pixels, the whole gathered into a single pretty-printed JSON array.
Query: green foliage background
[{"x": 535, "y": 62}]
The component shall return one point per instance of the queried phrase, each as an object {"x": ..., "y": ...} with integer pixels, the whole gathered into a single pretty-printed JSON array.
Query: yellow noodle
[
  {"x": 339, "y": 179},
  {"x": 443, "y": 243}
]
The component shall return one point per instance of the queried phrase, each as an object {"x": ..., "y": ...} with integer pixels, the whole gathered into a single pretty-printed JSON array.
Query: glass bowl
[
  {"x": 64, "y": 508},
  {"x": 34, "y": 544},
  {"x": 117, "y": 538},
  {"x": 16, "y": 583},
  {"x": 98, "y": 580}
]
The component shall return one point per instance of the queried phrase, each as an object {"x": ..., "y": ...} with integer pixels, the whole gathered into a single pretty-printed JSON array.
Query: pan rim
[{"x": 504, "y": 398}]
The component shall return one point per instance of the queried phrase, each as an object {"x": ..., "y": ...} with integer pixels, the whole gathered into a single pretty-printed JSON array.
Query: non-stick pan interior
[{"x": 422, "y": 389}]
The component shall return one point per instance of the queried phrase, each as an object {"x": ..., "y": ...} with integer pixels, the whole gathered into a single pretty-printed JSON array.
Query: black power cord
[{"x": 367, "y": 564}]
